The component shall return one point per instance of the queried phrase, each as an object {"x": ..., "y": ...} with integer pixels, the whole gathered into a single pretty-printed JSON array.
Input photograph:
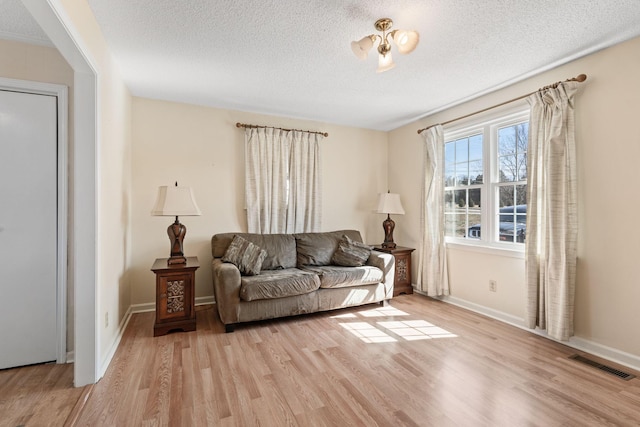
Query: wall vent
[{"x": 608, "y": 369}]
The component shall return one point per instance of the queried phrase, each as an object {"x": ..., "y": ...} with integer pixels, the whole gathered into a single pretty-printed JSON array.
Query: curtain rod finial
[{"x": 580, "y": 78}]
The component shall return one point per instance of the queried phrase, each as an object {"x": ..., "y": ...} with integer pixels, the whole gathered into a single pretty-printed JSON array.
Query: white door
[{"x": 28, "y": 228}]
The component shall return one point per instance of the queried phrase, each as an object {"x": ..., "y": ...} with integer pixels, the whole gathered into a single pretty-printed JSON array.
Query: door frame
[{"x": 61, "y": 94}]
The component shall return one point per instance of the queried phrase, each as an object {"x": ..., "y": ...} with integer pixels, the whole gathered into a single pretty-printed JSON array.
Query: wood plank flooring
[
  {"x": 38, "y": 395},
  {"x": 417, "y": 362}
]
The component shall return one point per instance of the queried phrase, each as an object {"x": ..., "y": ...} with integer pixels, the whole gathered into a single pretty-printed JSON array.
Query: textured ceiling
[
  {"x": 293, "y": 58},
  {"x": 17, "y": 24}
]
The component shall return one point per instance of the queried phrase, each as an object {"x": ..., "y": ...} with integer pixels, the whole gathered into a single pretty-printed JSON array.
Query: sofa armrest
[
  {"x": 386, "y": 263},
  {"x": 226, "y": 289}
]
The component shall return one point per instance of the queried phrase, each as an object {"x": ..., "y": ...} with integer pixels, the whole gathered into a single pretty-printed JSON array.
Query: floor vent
[{"x": 608, "y": 369}]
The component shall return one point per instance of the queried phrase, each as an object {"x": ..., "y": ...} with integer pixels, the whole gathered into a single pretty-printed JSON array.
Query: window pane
[
  {"x": 460, "y": 198},
  {"x": 462, "y": 150},
  {"x": 475, "y": 214},
  {"x": 475, "y": 147},
  {"x": 521, "y": 195},
  {"x": 460, "y": 225},
  {"x": 512, "y": 213},
  {"x": 474, "y": 199},
  {"x": 522, "y": 167},
  {"x": 475, "y": 228},
  {"x": 507, "y": 141},
  {"x": 522, "y": 137},
  {"x": 506, "y": 222},
  {"x": 508, "y": 168},
  {"x": 454, "y": 225},
  {"x": 505, "y": 195},
  {"x": 449, "y": 201},
  {"x": 521, "y": 213},
  {"x": 462, "y": 174},
  {"x": 449, "y": 225},
  {"x": 449, "y": 153},
  {"x": 475, "y": 172},
  {"x": 449, "y": 175}
]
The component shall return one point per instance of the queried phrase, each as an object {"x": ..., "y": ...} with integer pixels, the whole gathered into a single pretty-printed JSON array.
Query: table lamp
[
  {"x": 389, "y": 203},
  {"x": 176, "y": 201}
]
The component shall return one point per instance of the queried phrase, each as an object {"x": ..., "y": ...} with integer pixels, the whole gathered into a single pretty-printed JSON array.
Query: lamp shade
[
  {"x": 406, "y": 41},
  {"x": 389, "y": 203},
  {"x": 385, "y": 62},
  {"x": 175, "y": 201},
  {"x": 362, "y": 47}
]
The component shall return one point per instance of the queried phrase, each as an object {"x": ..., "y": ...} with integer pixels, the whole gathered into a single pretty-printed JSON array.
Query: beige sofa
[{"x": 298, "y": 275}]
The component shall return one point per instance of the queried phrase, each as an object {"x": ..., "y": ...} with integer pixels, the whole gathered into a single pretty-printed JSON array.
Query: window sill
[{"x": 486, "y": 248}]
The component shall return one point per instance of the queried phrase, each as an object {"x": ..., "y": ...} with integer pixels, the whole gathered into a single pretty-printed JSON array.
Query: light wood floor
[
  {"x": 418, "y": 362},
  {"x": 39, "y": 395}
]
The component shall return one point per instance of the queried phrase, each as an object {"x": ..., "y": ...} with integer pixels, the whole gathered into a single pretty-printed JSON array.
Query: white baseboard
[
  {"x": 71, "y": 357},
  {"x": 143, "y": 308},
  {"x": 210, "y": 299},
  {"x": 114, "y": 345},
  {"x": 151, "y": 306},
  {"x": 623, "y": 358}
]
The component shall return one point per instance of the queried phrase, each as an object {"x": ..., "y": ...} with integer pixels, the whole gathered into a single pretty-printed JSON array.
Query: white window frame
[{"x": 488, "y": 125}]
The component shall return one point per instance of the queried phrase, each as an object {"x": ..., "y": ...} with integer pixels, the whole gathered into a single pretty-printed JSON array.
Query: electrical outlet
[
  {"x": 493, "y": 286},
  {"x": 106, "y": 319}
]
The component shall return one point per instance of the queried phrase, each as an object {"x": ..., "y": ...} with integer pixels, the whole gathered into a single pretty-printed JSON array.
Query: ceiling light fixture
[{"x": 406, "y": 42}]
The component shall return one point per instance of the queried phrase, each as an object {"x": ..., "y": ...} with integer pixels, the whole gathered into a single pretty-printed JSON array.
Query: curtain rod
[
  {"x": 580, "y": 78},
  {"x": 244, "y": 125}
]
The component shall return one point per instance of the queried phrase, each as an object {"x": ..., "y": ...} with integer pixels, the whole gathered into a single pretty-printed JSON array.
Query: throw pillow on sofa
[
  {"x": 245, "y": 255},
  {"x": 350, "y": 253}
]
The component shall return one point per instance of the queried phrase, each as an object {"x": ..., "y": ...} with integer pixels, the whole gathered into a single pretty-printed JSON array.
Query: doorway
[{"x": 33, "y": 219}]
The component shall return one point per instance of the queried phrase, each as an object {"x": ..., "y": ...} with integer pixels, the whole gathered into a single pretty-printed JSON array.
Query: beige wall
[
  {"x": 608, "y": 147},
  {"x": 37, "y": 63},
  {"x": 201, "y": 147},
  {"x": 43, "y": 64}
]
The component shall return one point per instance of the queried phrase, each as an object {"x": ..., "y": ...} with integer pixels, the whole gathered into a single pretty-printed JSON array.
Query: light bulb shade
[
  {"x": 406, "y": 41},
  {"x": 385, "y": 62},
  {"x": 389, "y": 203},
  {"x": 175, "y": 201},
  {"x": 362, "y": 47}
]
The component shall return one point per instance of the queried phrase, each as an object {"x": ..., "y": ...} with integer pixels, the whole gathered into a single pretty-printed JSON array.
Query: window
[{"x": 486, "y": 179}]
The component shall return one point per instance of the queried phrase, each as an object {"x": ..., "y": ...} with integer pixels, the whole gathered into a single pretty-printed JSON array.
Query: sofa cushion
[
  {"x": 333, "y": 276},
  {"x": 351, "y": 253},
  {"x": 245, "y": 255},
  {"x": 281, "y": 248},
  {"x": 278, "y": 284},
  {"x": 318, "y": 248}
]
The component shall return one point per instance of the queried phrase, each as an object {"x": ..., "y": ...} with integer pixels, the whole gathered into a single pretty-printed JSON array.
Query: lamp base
[
  {"x": 176, "y": 260},
  {"x": 176, "y": 232},
  {"x": 388, "y": 225}
]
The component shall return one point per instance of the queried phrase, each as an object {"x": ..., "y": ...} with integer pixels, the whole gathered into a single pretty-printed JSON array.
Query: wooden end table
[
  {"x": 175, "y": 296},
  {"x": 402, "y": 280}
]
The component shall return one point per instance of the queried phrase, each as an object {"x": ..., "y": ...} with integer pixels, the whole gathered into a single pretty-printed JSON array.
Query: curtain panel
[
  {"x": 432, "y": 277},
  {"x": 282, "y": 181},
  {"x": 552, "y": 227}
]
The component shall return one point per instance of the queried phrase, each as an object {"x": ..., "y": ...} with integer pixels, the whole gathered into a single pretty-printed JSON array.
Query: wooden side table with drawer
[
  {"x": 402, "y": 280},
  {"x": 175, "y": 296}
]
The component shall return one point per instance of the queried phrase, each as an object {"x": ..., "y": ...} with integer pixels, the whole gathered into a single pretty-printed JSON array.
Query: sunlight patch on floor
[
  {"x": 344, "y": 316},
  {"x": 384, "y": 331},
  {"x": 412, "y": 330},
  {"x": 382, "y": 312},
  {"x": 367, "y": 332}
]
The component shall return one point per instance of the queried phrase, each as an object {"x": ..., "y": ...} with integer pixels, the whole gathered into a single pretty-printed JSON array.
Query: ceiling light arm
[{"x": 384, "y": 25}]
